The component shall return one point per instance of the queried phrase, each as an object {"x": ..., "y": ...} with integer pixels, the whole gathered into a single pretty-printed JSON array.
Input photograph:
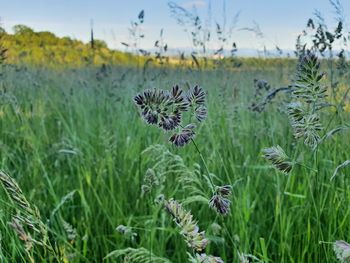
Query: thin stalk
[
  {"x": 205, "y": 165},
  {"x": 306, "y": 166}
]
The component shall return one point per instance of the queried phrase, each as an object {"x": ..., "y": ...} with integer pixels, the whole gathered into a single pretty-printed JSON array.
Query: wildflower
[
  {"x": 184, "y": 136},
  {"x": 189, "y": 228},
  {"x": 220, "y": 201},
  {"x": 278, "y": 158},
  {"x": 342, "y": 251}
]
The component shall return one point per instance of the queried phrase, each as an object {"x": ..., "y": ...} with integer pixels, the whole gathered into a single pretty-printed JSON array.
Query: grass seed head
[
  {"x": 71, "y": 232},
  {"x": 180, "y": 100},
  {"x": 278, "y": 158},
  {"x": 183, "y": 137},
  {"x": 309, "y": 129},
  {"x": 196, "y": 95},
  {"x": 149, "y": 181},
  {"x": 308, "y": 86},
  {"x": 170, "y": 122},
  {"x": 220, "y": 204},
  {"x": 342, "y": 251},
  {"x": 164, "y": 108},
  {"x": 126, "y": 232},
  {"x": 296, "y": 112},
  {"x": 27, "y": 217},
  {"x": 189, "y": 229},
  {"x": 14, "y": 192},
  {"x": 153, "y": 104},
  {"x": 17, "y": 226},
  {"x": 201, "y": 113},
  {"x": 224, "y": 191},
  {"x": 204, "y": 258},
  {"x": 220, "y": 201}
]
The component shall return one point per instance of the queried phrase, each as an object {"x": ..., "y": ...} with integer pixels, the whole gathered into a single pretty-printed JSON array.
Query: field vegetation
[{"x": 206, "y": 159}]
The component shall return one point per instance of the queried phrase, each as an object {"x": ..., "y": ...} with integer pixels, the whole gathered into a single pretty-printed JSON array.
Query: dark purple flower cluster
[
  {"x": 184, "y": 136},
  {"x": 165, "y": 109},
  {"x": 220, "y": 200}
]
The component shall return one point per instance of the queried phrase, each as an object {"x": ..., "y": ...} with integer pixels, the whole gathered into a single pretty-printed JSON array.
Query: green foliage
[
  {"x": 74, "y": 142},
  {"x": 22, "y": 29},
  {"x": 28, "y": 47},
  {"x": 140, "y": 255}
]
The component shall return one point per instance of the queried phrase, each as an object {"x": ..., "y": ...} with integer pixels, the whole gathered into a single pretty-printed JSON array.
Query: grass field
[{"x": 76, "y": 145}]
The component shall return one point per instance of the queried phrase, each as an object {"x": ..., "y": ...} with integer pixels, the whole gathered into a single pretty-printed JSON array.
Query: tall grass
[{"x": 75, "y": 145}]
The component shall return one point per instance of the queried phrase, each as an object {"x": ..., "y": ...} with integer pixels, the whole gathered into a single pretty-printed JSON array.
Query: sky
[{"x": 280, "y": 21}]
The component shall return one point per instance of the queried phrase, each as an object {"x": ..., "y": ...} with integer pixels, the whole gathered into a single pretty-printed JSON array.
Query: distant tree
[
  {"x": 22, "y": 29},
  {"x": 47, "y": 38},
  {"x": 26, "y": 46},
  {"x": 100, "y": 44},
  {"x": 3, "y": 50},
  {"x": 66, "y": 41}
]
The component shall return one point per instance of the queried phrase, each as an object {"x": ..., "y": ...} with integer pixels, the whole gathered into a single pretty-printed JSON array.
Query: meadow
[
  {"x": 86, "y": 177},
  {"x": 76, "y": 146}
]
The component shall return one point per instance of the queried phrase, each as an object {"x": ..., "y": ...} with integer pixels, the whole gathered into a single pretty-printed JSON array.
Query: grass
[{"x": 75, "y": 144}]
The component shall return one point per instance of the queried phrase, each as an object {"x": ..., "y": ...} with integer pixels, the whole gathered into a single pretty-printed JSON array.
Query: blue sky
[{"x": 279, "y": 20}]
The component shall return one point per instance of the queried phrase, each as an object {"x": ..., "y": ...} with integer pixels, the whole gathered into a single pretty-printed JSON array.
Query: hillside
[
  {"x": 28, "y": 47},
  {"x": 25, "y": 46}
]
